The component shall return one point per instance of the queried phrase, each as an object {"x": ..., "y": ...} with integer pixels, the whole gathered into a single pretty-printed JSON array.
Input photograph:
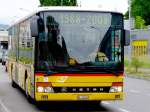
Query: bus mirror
[
  {"x": 126, "y": 37},
  {"x": 34, "y": 26}
]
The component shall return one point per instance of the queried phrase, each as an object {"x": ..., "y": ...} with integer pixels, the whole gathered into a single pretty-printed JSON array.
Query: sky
[{"x": 13, "y": 10}]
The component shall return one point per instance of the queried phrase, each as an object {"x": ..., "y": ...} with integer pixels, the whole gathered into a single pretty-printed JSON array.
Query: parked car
[{"x": 4, "y": 57}]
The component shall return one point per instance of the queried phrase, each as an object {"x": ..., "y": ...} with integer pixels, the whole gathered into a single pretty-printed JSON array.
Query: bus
[{"x": 68, "y": 54}]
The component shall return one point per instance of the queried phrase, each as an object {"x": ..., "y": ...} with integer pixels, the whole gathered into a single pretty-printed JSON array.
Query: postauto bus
[{"x": 68, "y": 54}]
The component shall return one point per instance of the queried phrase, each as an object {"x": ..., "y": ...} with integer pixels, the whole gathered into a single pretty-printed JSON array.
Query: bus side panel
[
  {"x": 26, "y": 72},
  {"x": 32, "y": 79},
  {"x": 11, "y": 69}
]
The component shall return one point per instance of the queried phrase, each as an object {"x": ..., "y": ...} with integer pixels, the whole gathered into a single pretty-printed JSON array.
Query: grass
[
  {"x": 143, "y": 70},
  {"x": 146, "y": 61}
]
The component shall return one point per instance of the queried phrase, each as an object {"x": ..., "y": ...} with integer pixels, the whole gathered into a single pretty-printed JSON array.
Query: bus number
[
  {"x": 97, "y": 20},
  {"x": 70, "y": 19}
]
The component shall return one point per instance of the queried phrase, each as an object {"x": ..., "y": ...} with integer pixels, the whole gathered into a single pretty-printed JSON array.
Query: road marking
[
  {"x": 123, "y": 110},
  {"x": 4, "y": 107},
  {"x": 134, "y": 91},
  {"x": 106, "y": 103}
]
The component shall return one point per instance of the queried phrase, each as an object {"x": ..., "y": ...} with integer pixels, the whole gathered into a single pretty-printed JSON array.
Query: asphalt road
[{"x": 137, "y": 99}]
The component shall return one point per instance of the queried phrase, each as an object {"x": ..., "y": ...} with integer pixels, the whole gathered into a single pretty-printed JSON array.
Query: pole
[{"x": 130, "y": 29}]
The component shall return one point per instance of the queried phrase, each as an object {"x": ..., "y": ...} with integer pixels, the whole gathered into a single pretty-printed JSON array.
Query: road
[{"x": 137, "y": 99}]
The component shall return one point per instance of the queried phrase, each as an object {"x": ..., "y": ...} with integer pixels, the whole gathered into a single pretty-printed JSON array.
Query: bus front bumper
[{"x": 78, "y": 96}]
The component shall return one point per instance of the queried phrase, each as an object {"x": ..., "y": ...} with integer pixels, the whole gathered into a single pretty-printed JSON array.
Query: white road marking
[
  {"x": 105, "y": 102},
  {"x": 134, "y": 91},
  {"x": 123, "y": 110},
  {"x": 4, "y": 107}
]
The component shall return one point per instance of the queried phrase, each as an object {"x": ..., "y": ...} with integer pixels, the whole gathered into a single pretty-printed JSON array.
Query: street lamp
[
  {"x": 61, "y": 2},
  {"x": 130, "y": 28},
  {"x": 129, "y": 2}
]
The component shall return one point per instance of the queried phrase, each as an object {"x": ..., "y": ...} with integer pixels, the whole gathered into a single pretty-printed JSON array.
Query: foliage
[
  {"x": 126, "y": 62},
  {"x": 58, "y": 2},
  {"x": 136, "y": 63},
  {"x": 126, "y": 16},
  {"x": 140, "y": 8},
  {"x": 139, "y": 22}
]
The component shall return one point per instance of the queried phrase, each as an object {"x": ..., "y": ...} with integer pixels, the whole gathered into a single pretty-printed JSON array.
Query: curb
[{"x": 137, "y": 77}]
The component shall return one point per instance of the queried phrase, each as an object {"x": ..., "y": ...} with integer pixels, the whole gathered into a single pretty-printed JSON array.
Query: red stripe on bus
[{"x": 41, "y": 74}]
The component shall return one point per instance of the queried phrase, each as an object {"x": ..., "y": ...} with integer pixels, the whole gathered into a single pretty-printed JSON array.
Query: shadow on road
[{"x": 72, "y": 107}]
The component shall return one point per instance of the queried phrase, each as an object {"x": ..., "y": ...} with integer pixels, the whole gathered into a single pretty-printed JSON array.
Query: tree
[
  {"x": 126, "y": 16},
  {"x": 141, "y": 8},
  {"x": 58, "y": 2},
  {"x": 139, "y": 22}
]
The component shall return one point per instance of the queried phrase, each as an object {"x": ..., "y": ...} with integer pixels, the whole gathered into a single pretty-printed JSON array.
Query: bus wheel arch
[
  {"x": 13, "y": 84},
  {"x": 30, "y": 100}
]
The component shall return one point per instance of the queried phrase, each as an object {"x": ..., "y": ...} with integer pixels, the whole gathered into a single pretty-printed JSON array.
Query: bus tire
[
  {"x": 13, "y": 84},
  {"x": 30, "y": 100}
]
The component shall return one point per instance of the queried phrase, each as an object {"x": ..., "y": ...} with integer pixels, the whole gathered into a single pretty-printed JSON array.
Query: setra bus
[{"x": 68, "y": 54}]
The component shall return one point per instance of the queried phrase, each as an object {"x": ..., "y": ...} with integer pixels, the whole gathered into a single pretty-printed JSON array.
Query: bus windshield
[{"x": 76, "y": 41}]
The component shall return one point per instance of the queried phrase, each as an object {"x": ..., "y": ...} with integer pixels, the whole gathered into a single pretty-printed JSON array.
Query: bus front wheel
[{"x": 13, "y": 84}]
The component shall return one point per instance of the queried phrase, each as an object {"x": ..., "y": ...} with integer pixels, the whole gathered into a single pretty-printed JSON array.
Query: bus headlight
[
  {"x": 45, "y": 89},
  {"x": 115, "y": 89},
  {"x": 40, "y": 89},
  {"x": 49, "y": 90}
]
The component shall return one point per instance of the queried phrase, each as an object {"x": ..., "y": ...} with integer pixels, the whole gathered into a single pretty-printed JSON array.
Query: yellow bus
[{"x": 68, "y": 54}]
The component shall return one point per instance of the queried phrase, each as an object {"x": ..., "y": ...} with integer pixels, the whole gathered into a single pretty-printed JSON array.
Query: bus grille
[{"x": 81, "y": 89}]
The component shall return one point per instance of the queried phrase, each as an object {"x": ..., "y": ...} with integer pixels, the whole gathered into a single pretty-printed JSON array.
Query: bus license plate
[{"x": 83, "y": 97}]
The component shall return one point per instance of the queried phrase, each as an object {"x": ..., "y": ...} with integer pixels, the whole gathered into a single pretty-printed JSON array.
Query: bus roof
[
  {"x": 71, "y": 8},
  {"x": 62, "y": 8}
]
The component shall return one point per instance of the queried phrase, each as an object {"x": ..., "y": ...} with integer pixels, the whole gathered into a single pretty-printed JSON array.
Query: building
[{"x": 139, "y": 41}]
